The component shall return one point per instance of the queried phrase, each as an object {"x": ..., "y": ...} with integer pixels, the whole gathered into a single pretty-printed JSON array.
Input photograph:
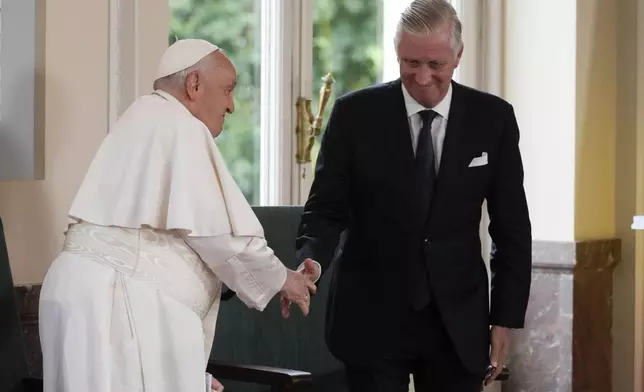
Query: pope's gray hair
[
  {"x": 424, "y": 17},
  {"x": 177, "y": 80}
]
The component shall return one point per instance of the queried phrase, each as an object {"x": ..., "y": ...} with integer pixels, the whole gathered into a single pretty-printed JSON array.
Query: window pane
[
  {"x": 235, "y": 27},
  {"x": 347, "y": 39}
]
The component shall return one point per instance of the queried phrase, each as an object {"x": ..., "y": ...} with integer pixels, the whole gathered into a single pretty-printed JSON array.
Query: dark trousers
[{"x": 422, "y": 348}]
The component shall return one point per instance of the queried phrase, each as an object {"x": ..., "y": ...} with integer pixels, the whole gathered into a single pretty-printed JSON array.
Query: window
[
  {"x": 347, "y": 41},
  {"x": 235, "y": 27},
  {"x": 282, "y": 49}
]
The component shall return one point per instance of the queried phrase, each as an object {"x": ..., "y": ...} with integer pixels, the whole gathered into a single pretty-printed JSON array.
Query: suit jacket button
[{"x": 426, "y": 241}]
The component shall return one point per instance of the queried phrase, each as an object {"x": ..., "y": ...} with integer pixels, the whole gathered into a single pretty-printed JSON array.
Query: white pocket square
[{"x": 479, "y": 161}]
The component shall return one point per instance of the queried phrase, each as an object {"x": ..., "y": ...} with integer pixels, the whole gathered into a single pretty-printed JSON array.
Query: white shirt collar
[{"x": 414, "y": 107}]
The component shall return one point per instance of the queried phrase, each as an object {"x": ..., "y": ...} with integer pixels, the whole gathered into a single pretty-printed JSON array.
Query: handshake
[{"x": 299, "y": 287}]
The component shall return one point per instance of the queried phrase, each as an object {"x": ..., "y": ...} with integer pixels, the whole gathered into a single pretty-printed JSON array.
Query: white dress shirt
[{"x": 439, "y": 125}]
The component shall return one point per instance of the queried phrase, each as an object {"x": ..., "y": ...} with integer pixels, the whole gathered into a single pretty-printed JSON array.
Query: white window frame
[
  {"x": 136, "y": 45},
  {"x": 137, "y": 36},
  {"x": 287, "y": 74},
  {"x": 302, "y": 86},
  {"x": 280, "y": 24}
]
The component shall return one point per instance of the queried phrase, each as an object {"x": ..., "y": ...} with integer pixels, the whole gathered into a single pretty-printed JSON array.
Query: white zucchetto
[{"x": 183, "y": 54}]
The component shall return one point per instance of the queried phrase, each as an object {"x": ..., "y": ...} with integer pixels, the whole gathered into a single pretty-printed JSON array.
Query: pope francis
[{"x": 130, "y": 304}]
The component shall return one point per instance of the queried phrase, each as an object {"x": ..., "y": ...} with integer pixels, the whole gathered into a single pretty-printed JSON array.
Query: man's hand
[
  {"x": 500, "y": 337},
  {"x": 298, "y": 289},
  {"x": 310, "y": 270},
  {"x": 216, "y": 386}
]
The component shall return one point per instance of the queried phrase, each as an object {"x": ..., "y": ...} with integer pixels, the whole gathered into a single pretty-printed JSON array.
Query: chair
[
  {"x": 265, "y": 338},
  {"x": 13, "y": 358}
]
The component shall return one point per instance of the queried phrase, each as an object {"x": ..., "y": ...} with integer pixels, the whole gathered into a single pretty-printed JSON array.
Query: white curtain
[{"x": 481, "y": 65}]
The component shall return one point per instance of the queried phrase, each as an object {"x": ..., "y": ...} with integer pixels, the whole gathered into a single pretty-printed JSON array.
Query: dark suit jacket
[{"x": 364, "y": 188}]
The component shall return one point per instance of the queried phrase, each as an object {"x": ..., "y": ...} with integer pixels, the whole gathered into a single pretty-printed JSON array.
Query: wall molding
[
  {"x": 570, "y": 255},
  {"x": 138, "y": 35},
  {"x": 123, "y": 50}
]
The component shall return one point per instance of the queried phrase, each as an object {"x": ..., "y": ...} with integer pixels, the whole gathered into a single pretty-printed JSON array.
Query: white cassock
[{"x": 158, "y": 224}]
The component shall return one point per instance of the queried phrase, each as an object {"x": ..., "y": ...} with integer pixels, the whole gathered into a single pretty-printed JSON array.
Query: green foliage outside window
[{"x": 346, "y": 42}]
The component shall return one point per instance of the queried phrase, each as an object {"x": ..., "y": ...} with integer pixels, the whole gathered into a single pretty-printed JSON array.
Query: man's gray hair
[
  {"x": 177, "y": 80},
  {"x": 424, "y": 17}
]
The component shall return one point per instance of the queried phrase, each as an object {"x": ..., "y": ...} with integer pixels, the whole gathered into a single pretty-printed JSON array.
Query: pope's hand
[
  {"x": 216, "y": 386},
  {"x": 311, "y": 271},
  {"x": 298, "y": 289}
]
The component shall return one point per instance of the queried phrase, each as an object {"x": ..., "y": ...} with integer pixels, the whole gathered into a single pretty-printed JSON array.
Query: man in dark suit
[{"x": 403, "y": 169}]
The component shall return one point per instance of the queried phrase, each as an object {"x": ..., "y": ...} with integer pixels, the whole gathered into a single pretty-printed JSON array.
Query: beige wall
[
  {"x": 75, "y": 115},
  {"x": 152, "y": 38},
  {"x": 74, "y": 94},
  {"x": 539, "y": 80}
]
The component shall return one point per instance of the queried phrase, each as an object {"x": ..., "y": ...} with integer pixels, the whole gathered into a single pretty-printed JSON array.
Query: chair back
[
  {"x": 13, "y": 359},
  {"x": 250, "y": 337}
]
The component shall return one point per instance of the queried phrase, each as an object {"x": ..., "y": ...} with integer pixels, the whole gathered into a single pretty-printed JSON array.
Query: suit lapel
[
  {"x": 401, "y": 135},
  {"x": 399, "y": 143},
  {"x": 455, "y": 135}
]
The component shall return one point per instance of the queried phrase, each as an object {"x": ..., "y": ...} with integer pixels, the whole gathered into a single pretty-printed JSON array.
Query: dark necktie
[
  {"x": 425, "y": 161},
  {"x": 425, "y": 179}
]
